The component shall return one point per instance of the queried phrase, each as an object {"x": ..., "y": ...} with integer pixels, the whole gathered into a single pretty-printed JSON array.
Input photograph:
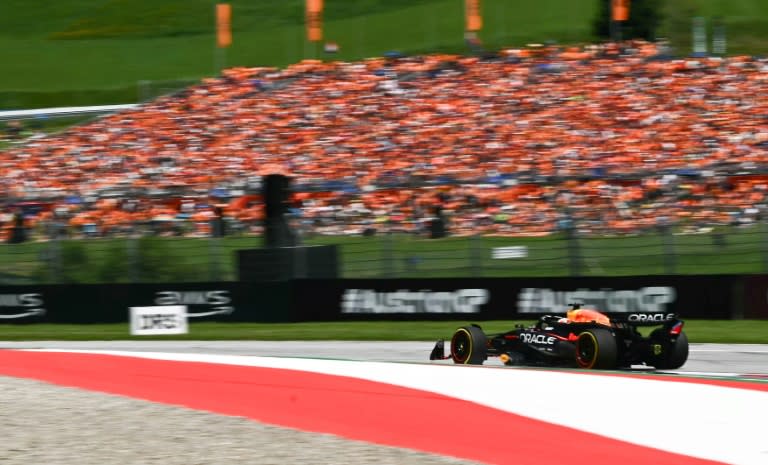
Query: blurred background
[{"x": 423, "y": 137}]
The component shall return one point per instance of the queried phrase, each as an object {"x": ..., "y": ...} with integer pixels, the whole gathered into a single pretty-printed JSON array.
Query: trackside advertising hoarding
[
  {"x": 713, "y": 297},
  {"x": 755, "y": 297},
  {"x": 92, "y": 303},
  {"x": 511, "y": 298}
]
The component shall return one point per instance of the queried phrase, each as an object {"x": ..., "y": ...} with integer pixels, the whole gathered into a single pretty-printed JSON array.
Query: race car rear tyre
[
  {"x": 666, "y": 354},
  {"x": 596, "y": 349},
  {"x": 468, "y": 346}
]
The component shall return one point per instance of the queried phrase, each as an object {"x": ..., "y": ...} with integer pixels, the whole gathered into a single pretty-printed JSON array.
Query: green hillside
[{"x": 100, "y": 51}]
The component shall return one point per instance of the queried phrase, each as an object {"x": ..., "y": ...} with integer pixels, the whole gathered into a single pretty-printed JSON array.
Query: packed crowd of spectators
[{"x": 612, "y": 139}]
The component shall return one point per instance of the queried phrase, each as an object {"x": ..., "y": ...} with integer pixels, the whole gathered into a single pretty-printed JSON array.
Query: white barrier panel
[
  {"x": 161, "y": 319},
  {"x": 512, "y": 251}
]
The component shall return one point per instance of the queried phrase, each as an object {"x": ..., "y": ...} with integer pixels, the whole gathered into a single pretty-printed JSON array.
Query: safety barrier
[{"x": 710, "y": 297}]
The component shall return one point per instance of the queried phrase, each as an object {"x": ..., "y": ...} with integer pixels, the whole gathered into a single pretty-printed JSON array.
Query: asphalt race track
[{"x": 711, "y": 359}]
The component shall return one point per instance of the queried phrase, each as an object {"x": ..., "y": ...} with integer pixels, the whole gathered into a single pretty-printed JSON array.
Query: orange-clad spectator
[{"x": 640, "y": 130}]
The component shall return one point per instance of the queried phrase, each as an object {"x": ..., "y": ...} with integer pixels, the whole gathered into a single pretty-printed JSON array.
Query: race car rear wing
[{"x": 644, "y": 319}]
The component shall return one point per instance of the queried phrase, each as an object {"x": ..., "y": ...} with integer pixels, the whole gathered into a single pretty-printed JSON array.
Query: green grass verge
[
  {"x": 699, "y": 331},
  {"x": 76, "y": 52}
]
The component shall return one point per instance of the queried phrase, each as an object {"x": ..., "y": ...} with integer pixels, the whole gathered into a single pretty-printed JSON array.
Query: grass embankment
[
  {"x": 73, "y": 52},
  {"x": 699, "y": 331}
]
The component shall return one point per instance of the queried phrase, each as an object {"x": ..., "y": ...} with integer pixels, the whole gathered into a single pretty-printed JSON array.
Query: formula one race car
[{"x": 584, "y": 338}]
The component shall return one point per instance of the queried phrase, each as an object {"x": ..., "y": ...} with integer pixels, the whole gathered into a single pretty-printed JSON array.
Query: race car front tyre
[
  {"x": 468, "y": 346},
  {"x": 668, "y": 353},
  {"x": 596, "y": 349}
]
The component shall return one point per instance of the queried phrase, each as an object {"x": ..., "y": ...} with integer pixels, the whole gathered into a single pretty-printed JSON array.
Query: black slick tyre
[
  {"x": 596, "y": 349},
  {"x": 468, "y": 346},
  {"x": 668, "y": 353}
]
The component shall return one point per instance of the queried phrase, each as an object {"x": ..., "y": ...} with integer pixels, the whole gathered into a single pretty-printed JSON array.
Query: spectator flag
[
  {"x": 473, "y": 16},
  {"x": 620, "y": 10},
  {"x": 223, "y": 25},
  {"x": 314, "y": 20}
]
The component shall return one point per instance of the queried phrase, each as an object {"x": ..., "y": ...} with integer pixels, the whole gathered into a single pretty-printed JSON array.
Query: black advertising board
[
  {"x": 227, "y": 301},
  {"x": 711, "y": 297},
  {"x": 755, "y": 297},
  {"x": 510, "y": 298}
]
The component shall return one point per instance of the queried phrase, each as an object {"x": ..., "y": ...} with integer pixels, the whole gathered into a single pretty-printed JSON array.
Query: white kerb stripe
[{"x": 699, "y": 420}]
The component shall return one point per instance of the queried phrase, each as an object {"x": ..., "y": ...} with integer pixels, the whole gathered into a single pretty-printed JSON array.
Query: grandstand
[
  {"x": 613, "y": 138},
  {"x": 574, "y": 142}
]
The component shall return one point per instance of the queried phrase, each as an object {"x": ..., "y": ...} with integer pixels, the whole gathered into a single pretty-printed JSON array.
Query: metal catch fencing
[{"x": 153, "y": 257}]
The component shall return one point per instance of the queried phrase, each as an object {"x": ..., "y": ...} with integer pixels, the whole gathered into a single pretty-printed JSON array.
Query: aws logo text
[
  {"x": 13, "y": 306},
  {"x": 218, "y": 302}
]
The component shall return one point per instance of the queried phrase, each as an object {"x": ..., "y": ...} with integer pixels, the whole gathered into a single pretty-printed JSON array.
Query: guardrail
[{"x": 62, "y": 111}]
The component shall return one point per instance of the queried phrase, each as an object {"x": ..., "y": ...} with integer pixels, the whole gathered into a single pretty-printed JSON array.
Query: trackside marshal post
[{"x": 161, "y": 319}]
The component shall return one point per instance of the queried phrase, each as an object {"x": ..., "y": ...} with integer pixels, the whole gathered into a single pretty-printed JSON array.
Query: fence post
[
  {"x": 764, "y": 247},
  {"x": 299, "y": 257},
  {"x": 668, "y": 239},
  {"x": 574, "y": 250},
  {"x": 475, "y": 255},
  {"x": 54, "y": 260},
  {"x": 214, "y": 252},
  {"x": 132, "y": 252},
  {"x": 387, "y": 255}
]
